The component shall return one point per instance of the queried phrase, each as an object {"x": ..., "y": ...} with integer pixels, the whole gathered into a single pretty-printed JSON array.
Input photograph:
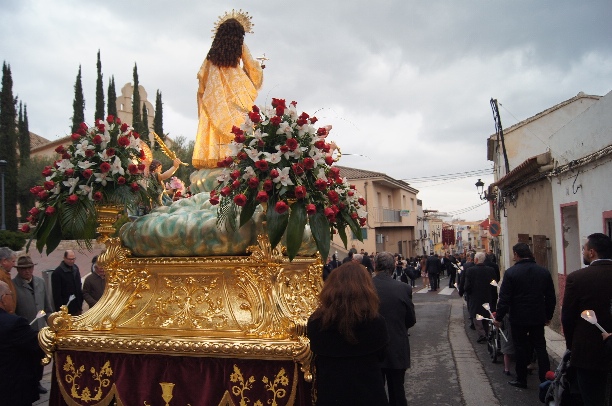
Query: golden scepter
[{"x": 169, "y": 153}]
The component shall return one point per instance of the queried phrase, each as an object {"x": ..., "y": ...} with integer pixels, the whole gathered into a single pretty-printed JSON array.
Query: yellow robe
[{"x": 224, "y": 96}]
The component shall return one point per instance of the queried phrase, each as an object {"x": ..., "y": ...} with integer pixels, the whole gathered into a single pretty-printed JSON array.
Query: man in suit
[
  {"x": 433, "y": 268},
  {"x": 590, "y": 288},
  {"x": 66, "y": 281},
  {"x": 528, "y": 294},
  {"x": 478, "y": 287},
  {"x": 398, "y": 311},
  {"x": 20, "y": 355},
  {"x": 461, "y": 285},
  {"x": 32, "y": 298}
]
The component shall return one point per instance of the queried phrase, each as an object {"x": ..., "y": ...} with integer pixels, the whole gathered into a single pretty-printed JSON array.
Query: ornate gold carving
[
  {"x": 73, "y": 374},
  {"x": 107, "y": 216},
  {"x": 272, "y": 385}
]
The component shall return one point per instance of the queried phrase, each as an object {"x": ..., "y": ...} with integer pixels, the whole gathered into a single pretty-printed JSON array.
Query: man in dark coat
[
  {"x": 66, "y": 281},
  {"x": 398, "y": 310},
  {"x": 590, "y": 288},
  {"x": 478, "y": 287},
  {"x": 433, "y": 268},
  {"x": 20, "y": 355},
  {"x": 461, "y": 285},
  {"x": 528, "y": 294}
]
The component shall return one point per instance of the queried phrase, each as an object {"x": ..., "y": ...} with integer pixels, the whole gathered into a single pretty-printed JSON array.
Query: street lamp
[
  {"x": 483, "y": 193},
  {"x": 2, "y": 167}
]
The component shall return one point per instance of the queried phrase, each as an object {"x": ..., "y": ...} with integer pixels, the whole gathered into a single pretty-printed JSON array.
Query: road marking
[{"x": 446, "y": 291}]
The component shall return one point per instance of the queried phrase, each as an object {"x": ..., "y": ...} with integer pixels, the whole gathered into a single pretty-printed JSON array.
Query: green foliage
[
  {"x": 112, "y": 97},
  {"x": 184, "y": 151},
  {"x": 78, "y": 105},
  {"x": 295, "y": 228},
  {"x": 158, "y": 120},
  {"x": 24, "y": 134},
  {"x": 8, "y": 146},
  {"x": 320, "y": 227},
  {"x": 136, "y": 119},
  {"x": 15, "y": 240},
  {"x": 29, "y": 176},
  {"x": 145, "y": 122},
  {"x": 99, "y": 91}
]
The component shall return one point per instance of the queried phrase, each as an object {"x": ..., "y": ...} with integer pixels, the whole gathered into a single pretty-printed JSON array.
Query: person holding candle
[{"x": 590, "y": 289}]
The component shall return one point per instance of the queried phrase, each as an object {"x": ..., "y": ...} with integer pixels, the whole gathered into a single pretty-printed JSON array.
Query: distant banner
[{"x": 404, "y": 213}]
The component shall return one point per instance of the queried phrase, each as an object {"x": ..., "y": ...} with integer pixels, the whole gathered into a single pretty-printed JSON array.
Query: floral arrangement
[
  {"x": 280, "y": 159},
  {"x": 176, "y": 185},
  {"x": 103, "y": 165}
]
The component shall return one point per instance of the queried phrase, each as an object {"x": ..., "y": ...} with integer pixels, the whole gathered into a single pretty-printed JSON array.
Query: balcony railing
[{"x": 384, "y": 215}]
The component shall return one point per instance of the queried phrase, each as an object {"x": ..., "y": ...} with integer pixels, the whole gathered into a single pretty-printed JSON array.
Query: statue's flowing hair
[
  {"x": 226, "y": 48},
  {"x": 348, "y": 297}
]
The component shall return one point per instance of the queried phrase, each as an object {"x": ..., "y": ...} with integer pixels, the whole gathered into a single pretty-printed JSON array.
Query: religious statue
[{"x": 228, "y": 82}]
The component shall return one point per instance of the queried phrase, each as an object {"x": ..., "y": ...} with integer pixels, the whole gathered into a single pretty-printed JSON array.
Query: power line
[{"x": 450, "y": 176}]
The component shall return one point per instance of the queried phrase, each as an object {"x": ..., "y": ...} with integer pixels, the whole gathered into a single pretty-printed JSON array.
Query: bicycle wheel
[{"x": 496, "y": 346}]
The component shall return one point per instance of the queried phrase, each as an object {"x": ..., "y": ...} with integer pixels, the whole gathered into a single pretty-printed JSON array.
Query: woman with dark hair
[
  {"x": 348, "y": 338},
  {"x": 226, "y": 92},
  {"x": 157, "y": 190}
]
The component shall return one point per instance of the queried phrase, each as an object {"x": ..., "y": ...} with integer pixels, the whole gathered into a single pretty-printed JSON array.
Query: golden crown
[{"x": 242, "y": 17}]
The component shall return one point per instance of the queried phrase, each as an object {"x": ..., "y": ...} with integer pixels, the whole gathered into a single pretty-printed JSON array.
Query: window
[{"x": 364, "y": 234}]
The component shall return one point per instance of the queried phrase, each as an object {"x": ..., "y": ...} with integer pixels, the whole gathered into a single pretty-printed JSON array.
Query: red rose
[
  {"x": 235, "y": 174},
  {"x": 141, "y": 167},
  {"x": 309, "y": 163},
  {"x": 123, "y": 141},
  {"x": 101, "y": 127},
  {"x": 292, "y": 144},
  {"x": 44, "y": 195},
  {"x": 354, "y": 215},
  {"x": 313, "y": 120},
  {"x": 25, "y": 228},
  {"x": 319, "y": 144},
  {"x": 301, "y": 121},
  {"x": 311, "y": 209},
  {"x": 66, "y": 155},
  {"x": 83, "y": 127},
  {"x": 237, "y": 130},
  {"x": 34, "y": 211},
  {"x": 335, "y": 209},
  {"x": 60, "y": 149},
  {"x": 276, "y": 120},
  {"x": 121, "y": 180},
  {"x": 322, "y": 132},
  {"x": 49, "y": 184},
  {"x": 329, "y": 212},
  {"x": 326, "y": 148},
  {"x": 335, "y": 172},
  {"x": 141, "y": 155},
  {"x": 111, "y": 152},
  {"x": 350, "y": 193},
  {"x": 31, "y": 220},
  {"x": 132, "y": 169},
  {"x": 300, "y": 192},
  {"x": 352, "y": 187},
  {"x": 225, "y": 191},
  {"x": 87, "y": 173},
  {"x": 333, "y": 196},
  {"x": 242, "y": 155},
  {"x": 36, "y": 190},
  {"x": 72, "y": 199},
  {"x": 105, "y": 167},
  {"x": 110, "y": 119},
  {"x": 280, "y": 110},
  {"x": 135, "y": 135},
  {"x": 304, "y": 116},
  {"x": 255, "y": 117},
  {"x": 97, "y": 196},
  {"x": 240, "y": 138},
  {"x": 268, "y": 185},
  {"x": 135, "y": 187},
  {"x": 228, "y": 161},
  {"x": 362, "y": 221},
  {"x": 262, "y": 165},
  {"x": 262, "y": 197},
  {"x": 69, "y": 172},
  {"x": 97, "y": 140},
  {"x": 214, "y": 200},
  {"x": 75, "y": 136},
  {"x": 298, "y": 169},
  {"x": 362, "y": 201},
  {"x": 255, "y": 109},
  {"x": 329, "y": 160},
  {"x": 213, "y": 193},
  {"x": 281, "y": 207},
  {"x": 89, "y": 153},
  {"x": 284, "y": 148},
  {"x": 48, "y": 171},
  {"x": 274, "y": 173},
  {"x": 253, "y": 183},
  {"x": 117, "y": 120},
  {"x": 124, "y": 127},
  {"x": 235, "y": 184},
  {"x": 240, "y": 199},
  {"x": 320, "y": 184}
]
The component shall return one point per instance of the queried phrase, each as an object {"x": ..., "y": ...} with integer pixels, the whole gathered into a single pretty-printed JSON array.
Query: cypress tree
[
  {"x": 136, "y": 119},
  {"x": 99, "y": 92},
  {"x": 112, "y": 97},
  {"x": 145, "y": 122},
  {"x": 158, "y": 121},
  {"x": 78, "y": 105},
  {"x": 8, "y": 147},
  {"x": 24, "y": 135}
]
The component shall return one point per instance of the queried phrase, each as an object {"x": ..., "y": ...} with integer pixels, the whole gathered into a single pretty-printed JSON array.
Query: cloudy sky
[{"x": 406, "y": 84}]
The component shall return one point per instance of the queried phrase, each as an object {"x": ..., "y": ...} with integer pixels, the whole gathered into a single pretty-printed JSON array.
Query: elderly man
[
  {"x": 66, "y": 281},
  {"x": 478, "y": 286},
  {"x": 398, "y": 310},
  {"x": 528, "y": 294},
  {"x": 94, "y": 284},
  {"x": 31, "y": 299},
  {"x": 20, "y": 355},
  {"x": 7, "y": 262},
  {"x": 590, "y": 288}
]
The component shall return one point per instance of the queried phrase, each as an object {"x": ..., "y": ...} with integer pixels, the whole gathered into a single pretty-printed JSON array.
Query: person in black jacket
[
  {"x": 434, "y": 267},
  {"x": 398, "y": 310},
  {"x": 528, "y": 294},
  {"x": 66, "y": 281}
]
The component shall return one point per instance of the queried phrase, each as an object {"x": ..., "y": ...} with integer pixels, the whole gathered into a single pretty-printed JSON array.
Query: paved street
[{"x": 448, "y": 366}]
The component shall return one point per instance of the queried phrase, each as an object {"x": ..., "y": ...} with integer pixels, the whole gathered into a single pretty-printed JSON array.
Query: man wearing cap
[
  {"x": 31, "y": 299},
  {"x": 20, "y": 355},
  {"x": 66, "y": 281},
  {"x": 7, "y": 262}
]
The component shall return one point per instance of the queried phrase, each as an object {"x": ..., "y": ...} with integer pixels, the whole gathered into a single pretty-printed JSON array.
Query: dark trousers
[
  {"x": 451, "y": 278},
  {"x": 395, "y": 386},
  {"x": 526, "y": 339},
  {"x": 593, "y": 386},
  {"x": 434, "y": 281}
]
